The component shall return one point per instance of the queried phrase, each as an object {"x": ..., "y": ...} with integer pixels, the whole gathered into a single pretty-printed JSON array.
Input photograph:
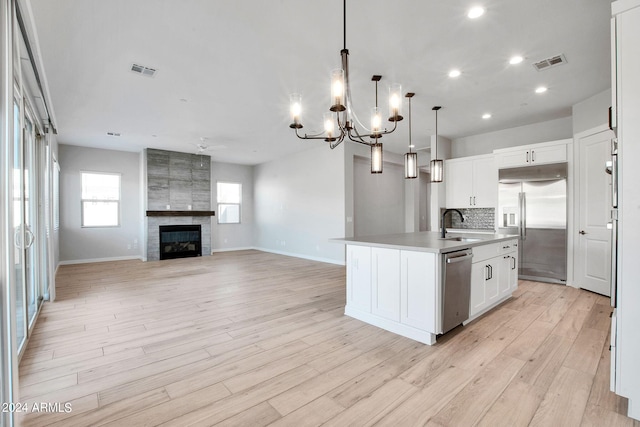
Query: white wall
[
  {"x": 530, "y": 134},
  {"x": 591, "y": 112},
  {"x": 79, "y": 244},
  {"x": 299, "y": 204},
  {"x": 226, "y": 237}
]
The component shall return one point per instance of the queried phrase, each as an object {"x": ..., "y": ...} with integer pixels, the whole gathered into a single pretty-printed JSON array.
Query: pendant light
[
  {"x": 436, "y": 166},
  {"x": 410, "y": 158},
  {"x": 376, "y": 157}
]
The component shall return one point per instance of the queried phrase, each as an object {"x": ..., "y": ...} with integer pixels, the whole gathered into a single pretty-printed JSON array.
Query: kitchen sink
[{"x": 463, "y": 239}]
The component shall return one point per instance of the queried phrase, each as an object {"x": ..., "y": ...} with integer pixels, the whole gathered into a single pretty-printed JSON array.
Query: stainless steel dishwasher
[{"x": 456, "y": 288}]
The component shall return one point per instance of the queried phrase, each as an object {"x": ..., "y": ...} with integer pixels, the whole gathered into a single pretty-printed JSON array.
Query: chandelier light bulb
[
  {"x": 329, "y": 124},
  {"x": 376, "y": 120},
  {"x": 395, "y": 102},
  {"x": 337, "y": 90},
  {"x": 295, "y": 109}
]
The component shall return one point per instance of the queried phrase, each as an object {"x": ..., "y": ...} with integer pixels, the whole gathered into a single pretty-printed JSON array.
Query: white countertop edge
[{"x": 432, "y": 243}]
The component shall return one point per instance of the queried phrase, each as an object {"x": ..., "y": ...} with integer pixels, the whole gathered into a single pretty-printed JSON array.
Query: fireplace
[{"x": 180, "y": 241}]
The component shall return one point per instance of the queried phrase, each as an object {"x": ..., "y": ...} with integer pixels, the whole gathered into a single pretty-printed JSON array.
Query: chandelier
[{"x": 341, "y": 121}]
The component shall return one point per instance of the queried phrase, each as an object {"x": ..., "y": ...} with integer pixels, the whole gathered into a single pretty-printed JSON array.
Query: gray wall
[
  {"x": 300, "y": 204},
  {"x": 591, "y": 112},
  {"x": 378, "y": 199},
  {"x": 233, "y": 236},
  {"x": 530, "y": 134},
  {"x": 177, "y": 180},
  {"x": 79, "y": 244}
]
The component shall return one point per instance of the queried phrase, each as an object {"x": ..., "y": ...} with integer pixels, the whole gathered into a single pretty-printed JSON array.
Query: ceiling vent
[
  {"x": 145, "y": 71},
  {"x": 550, "y": 62},
  {"x": 113, "y": 133}
]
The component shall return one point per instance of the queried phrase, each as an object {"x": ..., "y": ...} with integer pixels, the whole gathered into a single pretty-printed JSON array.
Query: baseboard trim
[
  {"x": 310, "y": 258},
  {"x": 91, "y": 260},
  {"x": 244, "y": 248}
]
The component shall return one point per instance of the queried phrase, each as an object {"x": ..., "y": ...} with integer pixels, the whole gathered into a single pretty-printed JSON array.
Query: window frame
[
  {"x": 117, "y": 202},
  {"x": 219, "y": 203}
]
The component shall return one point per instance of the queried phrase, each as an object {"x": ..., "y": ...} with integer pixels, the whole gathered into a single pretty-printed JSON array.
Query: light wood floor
[{"x": 252, "y": 338}]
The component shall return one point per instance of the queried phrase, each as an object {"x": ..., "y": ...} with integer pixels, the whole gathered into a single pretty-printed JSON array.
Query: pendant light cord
[
  {"x": 409, "y": 125},
  {"x": 344, "y": 23},
  {"x": 436, "y": 135}
]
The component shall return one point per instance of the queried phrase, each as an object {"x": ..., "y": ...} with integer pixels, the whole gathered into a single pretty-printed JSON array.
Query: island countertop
[{"x": 427, "y": 241}]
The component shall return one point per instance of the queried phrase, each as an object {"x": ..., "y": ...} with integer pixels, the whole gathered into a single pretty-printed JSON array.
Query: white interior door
[{"x": 593, "y": 260}]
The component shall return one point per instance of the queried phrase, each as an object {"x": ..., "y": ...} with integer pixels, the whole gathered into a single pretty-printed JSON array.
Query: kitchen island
[{"x": 396, "y": 281}]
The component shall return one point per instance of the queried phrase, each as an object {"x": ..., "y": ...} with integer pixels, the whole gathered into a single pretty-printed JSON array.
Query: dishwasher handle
[{"x": 459, "y": 258}]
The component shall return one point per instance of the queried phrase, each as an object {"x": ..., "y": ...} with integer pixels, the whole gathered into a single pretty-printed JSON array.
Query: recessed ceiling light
[
  {"x": 516, "y": 60},
  {"x": 475, "y": 12},
  {"x": 454, "y": 73},
  {"x": 541, "y": 89},
  {"x": 486, "y": 116}
]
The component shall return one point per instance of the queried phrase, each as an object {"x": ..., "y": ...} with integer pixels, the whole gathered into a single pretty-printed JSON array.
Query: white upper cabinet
[
  {"x": 471, "y": 182},
  {"x": 535, "y": 154}
]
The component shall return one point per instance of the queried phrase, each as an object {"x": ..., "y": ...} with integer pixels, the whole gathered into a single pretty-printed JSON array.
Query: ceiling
[{"x": 225, "y": 69}]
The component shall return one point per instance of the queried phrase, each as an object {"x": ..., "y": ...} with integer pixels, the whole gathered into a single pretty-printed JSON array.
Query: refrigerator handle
[{"x": 524, "y": 216}]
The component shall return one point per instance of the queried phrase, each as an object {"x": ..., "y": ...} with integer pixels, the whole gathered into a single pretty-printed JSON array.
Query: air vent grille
[
  {"x": 550, "y": 62},
  {"x": 141, "y": 69}
]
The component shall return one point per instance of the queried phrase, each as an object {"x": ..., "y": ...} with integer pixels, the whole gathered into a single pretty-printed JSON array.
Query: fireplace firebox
[{"x": 180, "y": 241}]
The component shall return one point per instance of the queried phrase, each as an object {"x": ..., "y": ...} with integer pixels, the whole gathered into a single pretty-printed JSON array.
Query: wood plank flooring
[{"x": 252, "y": 338}]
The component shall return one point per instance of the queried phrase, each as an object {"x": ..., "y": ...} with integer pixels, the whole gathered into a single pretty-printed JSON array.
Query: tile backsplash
[{"x": 474, "y": 218}]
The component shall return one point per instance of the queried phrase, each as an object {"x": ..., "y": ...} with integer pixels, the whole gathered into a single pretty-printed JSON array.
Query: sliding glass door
[
  {"x": 27, "y": 269},
  {"x": 18, "y": 230}
]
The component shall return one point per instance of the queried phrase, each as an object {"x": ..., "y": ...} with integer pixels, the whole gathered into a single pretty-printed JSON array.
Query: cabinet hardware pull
[
  {"x": 490, "y": 272},
  {"x": 514, "y": 263},
  {"x": 527, "y": 157},
  {"x": 474, "y": 200},
  {"x": 533, "y": 156},
  {"x": 470, "y": 204}
]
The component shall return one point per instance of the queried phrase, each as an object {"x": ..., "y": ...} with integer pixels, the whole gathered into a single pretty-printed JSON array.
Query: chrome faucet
[{"x": 444, "y": 230}]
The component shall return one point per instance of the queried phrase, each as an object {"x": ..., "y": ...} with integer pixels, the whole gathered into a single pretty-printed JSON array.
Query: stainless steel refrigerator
[{"x": 532, "y": 203}]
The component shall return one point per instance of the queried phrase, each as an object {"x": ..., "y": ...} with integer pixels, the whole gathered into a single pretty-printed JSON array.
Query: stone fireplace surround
[{"x": 177, "y": 180}]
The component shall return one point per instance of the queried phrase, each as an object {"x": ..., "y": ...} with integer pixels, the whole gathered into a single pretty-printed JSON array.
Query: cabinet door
[
  {"x": 504, "y": 276},
  {"x": 479, "y": 274},
  {"x": 459, "y": 182},
  {"x": 485, "y": 183},
  {"x": 514, "y": 158},
  {"x": 359, "y": 277},
  {"x": 418, "y": 290},
  {"x": 513, "y": 270},
  {"x": 385, "y": 279},
  {"x": 549, "y": 154},
  {"x": 491, "y": 288}
]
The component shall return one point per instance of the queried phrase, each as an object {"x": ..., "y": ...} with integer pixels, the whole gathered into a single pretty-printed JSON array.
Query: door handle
[
  {"x": 582, "y": 232},
  {"x": 30, "y": 238}
]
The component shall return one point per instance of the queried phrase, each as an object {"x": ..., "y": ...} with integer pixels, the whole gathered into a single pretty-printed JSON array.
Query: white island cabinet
[
  {"x": 395, "y": 281},
  {"x": 393, "y": 289}
]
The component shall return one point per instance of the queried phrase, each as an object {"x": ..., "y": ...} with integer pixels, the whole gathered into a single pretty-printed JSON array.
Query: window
[
  {"x": 100, "y": 199},
  {"x": 229, "y": 198}
]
